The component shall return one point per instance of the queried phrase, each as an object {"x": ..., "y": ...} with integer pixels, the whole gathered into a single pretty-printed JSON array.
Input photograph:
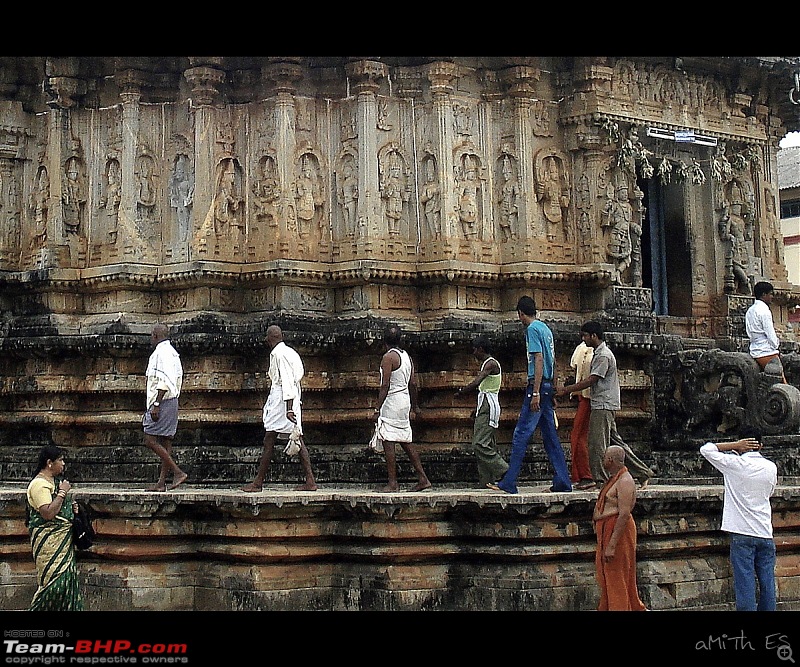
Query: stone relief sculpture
[
  {"x": 347, "y": 194},
  {"x": 267, "y": 191},
  {"x": 111, "y": 197},
  {"x": 228, "y": 200},
  {"x": 617, "y": 215},
  {"x": 431, "y": 198},
  {"x": 308, "y": 195},
  {"x": 541, "y": 119},
  {"x": 771, "y": 235},
  {"x": 509, "y": 197},
  {"x": 462, "y": 121},
  {"x": 394, "y": 186},
  {"x": 74, "y": 195},
  {"x": 383, "y": 116},
  {"x": 637, "y": 222},
  {"x": 722, "y": 391},
  {"x": 469, "y": 190},
  {"x": 40, "y": 204},
  {"x": 145, "y": 187},
  {"x": 736, "y": 229},
  {"x": 583, "y": 197},
  {"x": 11, "y": 210},
  {"x": 181, "y": 194},
  {"x": 552, "y": 190}
]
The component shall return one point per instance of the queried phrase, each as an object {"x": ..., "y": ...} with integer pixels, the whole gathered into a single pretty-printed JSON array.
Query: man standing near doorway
[
  {"x": 537, "y": 405},
  {"x": 604, "y": 402},
  {"x": 164, "y": 379},
  {"x": 760, "y": 328},
  {"x": 282, "y": 411}
]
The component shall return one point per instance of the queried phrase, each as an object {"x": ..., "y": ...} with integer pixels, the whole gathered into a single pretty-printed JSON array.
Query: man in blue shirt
[{"x": 537, "y": 406}]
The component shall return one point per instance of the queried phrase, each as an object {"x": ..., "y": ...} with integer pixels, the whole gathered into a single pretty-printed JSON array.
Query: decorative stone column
[
  {"x": 284, "y": 75},
  {"x": 365, "y": 77},
  {"x": 204, "y": 78},
  {"x": 441, "y": 75},
  {"x": 13, "y": 135},
  {"x": 132, "y": 241},
  {"x": 521, "y": 80},
  {"x": 62, "y": 83}
]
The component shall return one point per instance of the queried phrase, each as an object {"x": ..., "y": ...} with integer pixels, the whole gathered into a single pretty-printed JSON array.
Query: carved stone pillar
[
  {"x": 130, "y": 239},
  {"x": 365, "y": 76},
  {"x": 284, "y": 75},
  {"x": 12, "y": 150},
  {"x": 65, "y": 86},
  {"x": 205, "y": 80},
  {"x": 521, "y": 82},
  {"x": 441, "y": 76},
  {"x": 9, "y": 213}
]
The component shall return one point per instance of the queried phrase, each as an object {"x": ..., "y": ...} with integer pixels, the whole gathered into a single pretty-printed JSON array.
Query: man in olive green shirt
[{"x": 491, "y": 465}]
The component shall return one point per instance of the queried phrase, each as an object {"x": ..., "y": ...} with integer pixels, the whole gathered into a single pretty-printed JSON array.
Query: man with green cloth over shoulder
[{"x": 491, "y": 465}]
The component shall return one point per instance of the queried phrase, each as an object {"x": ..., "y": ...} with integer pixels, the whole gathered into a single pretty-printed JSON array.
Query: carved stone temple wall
[{"x": 334, "y": 195}]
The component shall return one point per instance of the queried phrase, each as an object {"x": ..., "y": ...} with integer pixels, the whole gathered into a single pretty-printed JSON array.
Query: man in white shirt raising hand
[{"x": 750, "y": 480}]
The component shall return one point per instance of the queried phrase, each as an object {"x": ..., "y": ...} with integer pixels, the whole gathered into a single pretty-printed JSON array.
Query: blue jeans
[
  {"x": 526, "y": 425},
  {"x": 753, "y": 558}
]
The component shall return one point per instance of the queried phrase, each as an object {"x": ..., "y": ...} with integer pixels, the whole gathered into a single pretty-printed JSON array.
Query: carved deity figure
[
  {"x": 73, "y": 195},
  {"x": 40, "y": 203},
  {"x": 550, "y": 192},
  {"x": 431, "y": 200},
  {"x": 617, "y": 216},
  {"x": 267, "y": 192},
  {"x": 227, "y": 201},
  {"x": 468, "y": 188},
  {"x": 735, "y": 231},
  {"x": 308, "y": 196},
  {"x": 347, "y": 196},
  {"x": 637, "y": 222},
  {"x": 145, "y": 189},
  {"x": 112, "y": 197},
  {"x": 393, "y": 192},
  {"x": 181, "y": 194},
  {"x": 772, "y": 243},
  {"x": 11, "y": 212},
  {"x": 509, "y": 201}
]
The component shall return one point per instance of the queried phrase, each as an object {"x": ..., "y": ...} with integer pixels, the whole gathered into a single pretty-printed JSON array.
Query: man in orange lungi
[{"x": 615, "y": 560}]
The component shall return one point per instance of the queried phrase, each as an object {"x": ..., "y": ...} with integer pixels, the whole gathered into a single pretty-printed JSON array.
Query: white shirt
[
  {"x": 164, "y": 371},
  {"x": 581, "y": 361},
  {"x": 286, "y": 370},
  {"x": 750, "y": 480},
  {"x": 760, "y": 330}
]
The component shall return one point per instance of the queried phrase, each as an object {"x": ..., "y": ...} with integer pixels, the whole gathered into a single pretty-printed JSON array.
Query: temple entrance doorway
[{"x": 666, "y": 257}]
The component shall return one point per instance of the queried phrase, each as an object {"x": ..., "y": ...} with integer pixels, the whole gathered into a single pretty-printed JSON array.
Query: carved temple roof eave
[{"x": 596, "y": 116}]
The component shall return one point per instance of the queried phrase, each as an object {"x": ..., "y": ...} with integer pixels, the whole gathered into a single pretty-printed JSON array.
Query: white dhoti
[
  {"x": 394, "y": 424},
  {"x": 274, "y": 413}
]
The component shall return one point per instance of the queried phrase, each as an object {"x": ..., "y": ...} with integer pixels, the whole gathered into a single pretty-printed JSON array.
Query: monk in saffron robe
[{"x": 615, "y": 560}]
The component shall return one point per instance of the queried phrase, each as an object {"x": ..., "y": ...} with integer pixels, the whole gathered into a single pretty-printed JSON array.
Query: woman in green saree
[{"x": 50, "y": 526}]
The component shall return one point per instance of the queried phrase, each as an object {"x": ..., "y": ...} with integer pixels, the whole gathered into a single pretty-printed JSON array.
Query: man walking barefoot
[
  {"x": 282, "y": 411},
  {"x": 164, "y": 379}
]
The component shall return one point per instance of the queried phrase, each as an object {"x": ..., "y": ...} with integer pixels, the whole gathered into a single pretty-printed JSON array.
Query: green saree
[{"x": 56, "y": 568}]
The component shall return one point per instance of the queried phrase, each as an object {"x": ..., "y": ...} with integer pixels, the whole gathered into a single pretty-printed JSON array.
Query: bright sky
[{"x": 791, "y": 139}]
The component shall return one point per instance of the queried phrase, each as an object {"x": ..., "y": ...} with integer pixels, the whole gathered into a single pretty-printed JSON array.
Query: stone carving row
[{"x": 304, "y": 210}]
